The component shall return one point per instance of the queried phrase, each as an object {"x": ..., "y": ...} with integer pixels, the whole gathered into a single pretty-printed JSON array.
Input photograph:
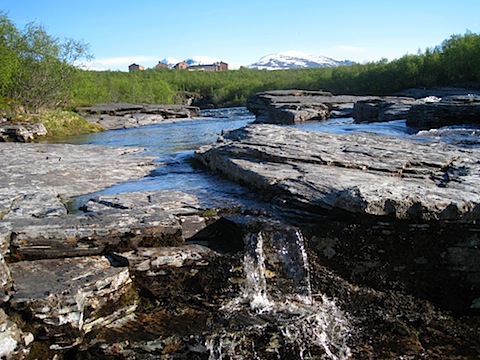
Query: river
[{"x": 173, "y": 144}]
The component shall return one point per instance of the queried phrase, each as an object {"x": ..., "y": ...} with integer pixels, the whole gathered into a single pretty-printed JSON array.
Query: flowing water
[
  {"x": 173, "y": 145},
  {"x": 275, "y": 312},
  {"x": 277, "y": 308}
]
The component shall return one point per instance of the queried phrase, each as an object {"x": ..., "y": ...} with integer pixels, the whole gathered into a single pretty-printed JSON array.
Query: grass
[{"x": 61, "y": 123}]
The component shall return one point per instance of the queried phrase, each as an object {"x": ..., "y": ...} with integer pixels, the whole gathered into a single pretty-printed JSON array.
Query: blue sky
[{"x": 241, "y": 32}]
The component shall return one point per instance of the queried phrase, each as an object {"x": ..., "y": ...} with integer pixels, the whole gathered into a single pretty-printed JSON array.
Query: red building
[
  {"x": 135, "y": 67},
  {"x": 161, "y": 65},
  {"x": 218, "y": 66},
  {"x": 181, "y": 65}
]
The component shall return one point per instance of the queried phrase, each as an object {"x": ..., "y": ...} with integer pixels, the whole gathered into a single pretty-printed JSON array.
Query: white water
[
  {"x": 304, "y": 321},
  {"x": 255, "y": 289}
]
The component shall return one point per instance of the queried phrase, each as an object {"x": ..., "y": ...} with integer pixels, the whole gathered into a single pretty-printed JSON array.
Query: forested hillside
[{"x": 37, "y": 73}]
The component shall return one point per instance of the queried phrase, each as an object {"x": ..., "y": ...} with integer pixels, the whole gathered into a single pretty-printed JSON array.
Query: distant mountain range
[
  {"x": 278, "y": 61},
  {"x": 296, "y": 60}
]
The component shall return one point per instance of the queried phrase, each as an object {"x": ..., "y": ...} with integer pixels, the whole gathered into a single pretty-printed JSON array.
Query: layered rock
[
  {"x": 73, "y": 294},
  {"x": 382, "y": 109},
  {"x": 427, "y": 111},
  {"x": 384, "y": 203},
  {"x": 62, "y": 272},
  {"x": 121, "y": 115},
  {"x": 356, "y": 173},
  {"x": 296, "y": 106},
  {"x": 451, "y": 110},
  {"x": 21, "y": 131}
]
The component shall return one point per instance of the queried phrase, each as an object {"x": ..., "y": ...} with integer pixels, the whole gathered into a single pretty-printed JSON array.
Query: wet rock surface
[{"x": 123, "y": 116}]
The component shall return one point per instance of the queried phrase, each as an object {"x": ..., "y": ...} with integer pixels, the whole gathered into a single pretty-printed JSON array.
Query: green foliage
[
  {"x": 455, "y": 61},
  {"x": 38, "y": 69},
  {"x": 37, "y": 72},
  {"x": 108, "y": 86}
]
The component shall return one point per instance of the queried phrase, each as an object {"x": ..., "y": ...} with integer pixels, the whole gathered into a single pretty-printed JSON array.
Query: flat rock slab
[
  {"x": 108, "y": 223},
  {"x": 39, "y": 181},
  {"x": 362, "y": 174},
  {"x": 123, "y": 115},
  {"x": 37, "y": 178}
]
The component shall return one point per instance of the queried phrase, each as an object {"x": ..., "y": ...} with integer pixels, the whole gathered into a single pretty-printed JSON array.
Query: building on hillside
[
  {"x": 218, "y": 66},
  {"x": 181, "y": 65},
  {"x": 135, "y": 67},
  {"x": 161, "y": 65}
]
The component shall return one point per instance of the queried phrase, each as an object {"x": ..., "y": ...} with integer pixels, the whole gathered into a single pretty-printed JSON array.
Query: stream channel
[
  {"x": 173, "y": 144},
  {"x": 263, "y": 320}
]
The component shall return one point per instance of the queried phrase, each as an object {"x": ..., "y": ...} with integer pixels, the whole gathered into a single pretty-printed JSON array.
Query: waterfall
[
  {"x": 276, "y": 311},
  {"x": 255, "y": 288}
]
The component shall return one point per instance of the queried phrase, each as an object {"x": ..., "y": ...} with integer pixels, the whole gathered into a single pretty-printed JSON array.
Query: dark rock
[
  {"x": 70, "y": 296},
  {"x": 451, "y": 110},
  {"x": 21, "y": 131},
  {"x": 382, "y": 109},
  {"x": 295, "y": 106},
  {"x": 121, "y": 115}
]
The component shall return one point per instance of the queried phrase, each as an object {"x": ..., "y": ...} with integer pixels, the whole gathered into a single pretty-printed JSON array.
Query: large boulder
[
  {"x": 382, "y": 210},
  {"x": 382, "y": 109}
]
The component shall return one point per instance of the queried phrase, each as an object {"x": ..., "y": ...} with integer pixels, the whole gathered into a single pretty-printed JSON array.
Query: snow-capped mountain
[
  {"x": 171, "y": 62},
  {"x": 201, "y": 60},
  {"x": 295, "y": 60},
  {"x": 194, "y": 60}
]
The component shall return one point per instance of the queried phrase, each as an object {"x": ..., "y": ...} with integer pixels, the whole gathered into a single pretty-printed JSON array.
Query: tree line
[
  {"x": 455, "y": 61},
  {"x": 38, "y": 71}
]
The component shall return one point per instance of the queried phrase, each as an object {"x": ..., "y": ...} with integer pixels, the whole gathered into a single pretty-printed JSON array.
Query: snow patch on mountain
[
  {"x": 295, "y": 60},
  {"x": 201, "y": 60},
  {"x": 171, "y": 62}
]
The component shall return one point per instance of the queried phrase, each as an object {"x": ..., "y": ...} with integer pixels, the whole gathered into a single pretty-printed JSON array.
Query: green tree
[
  {"x": 8, "y": 56},
  {"x": 40, "y": 68},
  {"x": 460, "y": 57}
]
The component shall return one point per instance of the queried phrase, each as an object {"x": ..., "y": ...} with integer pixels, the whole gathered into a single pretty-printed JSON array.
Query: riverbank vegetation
[
  {"x": 455, "y": 61},
  {"x": 38, "y": 74}
]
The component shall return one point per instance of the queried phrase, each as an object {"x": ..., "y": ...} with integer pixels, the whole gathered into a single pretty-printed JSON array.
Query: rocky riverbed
[
  {"x": 368, "y": 248},
  {"x": 421, "y": 107}
]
